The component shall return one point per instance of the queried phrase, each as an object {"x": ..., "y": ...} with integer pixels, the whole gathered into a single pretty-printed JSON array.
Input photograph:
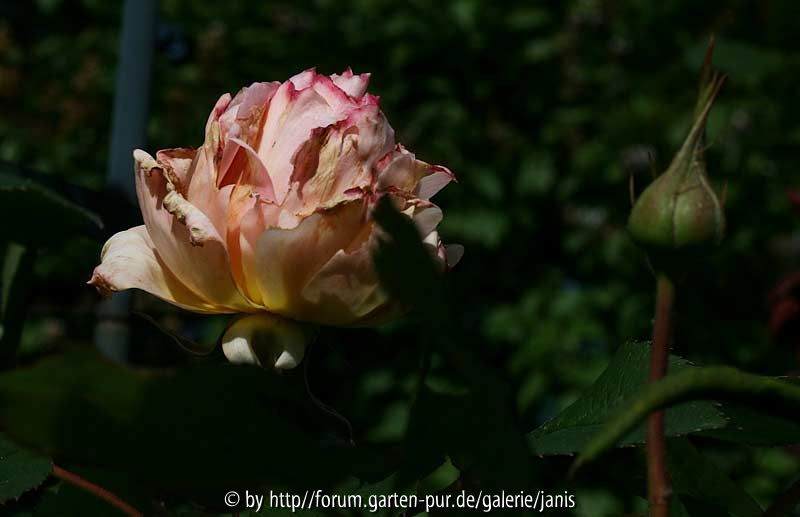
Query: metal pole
[{"x": 128, "y": 131}]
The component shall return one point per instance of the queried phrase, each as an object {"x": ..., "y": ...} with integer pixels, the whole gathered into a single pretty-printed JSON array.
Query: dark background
[{"x": 543, "y": 110}]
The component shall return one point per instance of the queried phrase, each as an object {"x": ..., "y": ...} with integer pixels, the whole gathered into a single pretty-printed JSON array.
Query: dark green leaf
[
  {"x": 624, "y": 377},
  {"x": 210, "y": 426},
  {"x": 695, "y": 478},
  {"x": 751, "y": 426},
  {"x": 38, "y": 215},
  {"x": 20, "y": 470},
  {"x": 14, "y": 285},
  {"x": 723, "y": 383},
  {"x": 474, "y": 432}
]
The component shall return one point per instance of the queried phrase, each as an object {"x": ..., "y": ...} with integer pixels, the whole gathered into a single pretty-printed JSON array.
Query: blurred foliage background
[{"x": 544, "y": 110}]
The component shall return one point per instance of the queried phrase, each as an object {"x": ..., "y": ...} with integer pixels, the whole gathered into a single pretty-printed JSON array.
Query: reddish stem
[
  {"x": 97, "y": 491},
  {"x": 659, "y": 489}
]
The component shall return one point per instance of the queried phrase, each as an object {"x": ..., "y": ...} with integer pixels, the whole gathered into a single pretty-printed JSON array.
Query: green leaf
[
  {"x": 14, "y": 285},
  {"x": 694, "y": 477},
  {"x": 722, "y": 383},
  {"x": 753, "y": 427},
  {"x": 20, "y": 470},
  {"x": 206, "y": 428},
  {"x": 625, "y": 376},
  {"x": 38, "y": 215}
]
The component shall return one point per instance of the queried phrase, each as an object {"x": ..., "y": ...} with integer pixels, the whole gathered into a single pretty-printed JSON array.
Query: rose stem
[
  {"x": 97, "y": 491},
  {"x": 658, "y": 483}
]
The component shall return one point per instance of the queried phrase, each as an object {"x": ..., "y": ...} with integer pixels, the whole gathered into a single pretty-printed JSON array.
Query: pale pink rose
[{"x": 272, "y": 212}]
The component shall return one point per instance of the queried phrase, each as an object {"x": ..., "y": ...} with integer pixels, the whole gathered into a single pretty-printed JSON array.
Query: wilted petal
[
  {"x": 293, "y": 115},
  {"x": 129, "y": 261},
  {"x": 176, "y": 163},
  {"x": 399, "y": 170},
  {"x": 333, "y": 166},
  {"x": 185, "y": 238}
]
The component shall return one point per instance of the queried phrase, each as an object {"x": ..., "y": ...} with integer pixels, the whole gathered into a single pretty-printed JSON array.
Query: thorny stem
[
  {"x": 97, "y": 491},
  {"x": 659, "y": 489}
]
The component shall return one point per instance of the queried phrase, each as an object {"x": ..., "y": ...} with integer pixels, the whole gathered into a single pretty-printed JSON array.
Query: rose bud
[
  {"x": 679, "y": 210},
  {"x": 273, "y": 212}
]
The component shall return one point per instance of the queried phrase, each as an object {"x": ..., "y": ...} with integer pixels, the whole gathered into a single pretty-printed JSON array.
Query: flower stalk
[
  {"x": 97, "y": 491},
  {"x": 659, "y": 488}
]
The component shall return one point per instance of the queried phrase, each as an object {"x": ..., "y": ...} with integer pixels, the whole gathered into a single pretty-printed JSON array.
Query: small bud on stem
[{"x": 680, "y": 211}]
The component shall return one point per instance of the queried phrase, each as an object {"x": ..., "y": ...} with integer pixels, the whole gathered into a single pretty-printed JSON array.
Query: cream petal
[
  {"x": 185, "y": 238},
  {"x": 265, "y": 340},
  {"x": 345, "y": 291},
  {"x": 288, "y": 259},
  {"x": 254, "y": 221},
  {"x": 129, "y": 261}
]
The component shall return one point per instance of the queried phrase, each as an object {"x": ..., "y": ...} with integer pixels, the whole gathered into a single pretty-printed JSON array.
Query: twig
[
  {"x": 659, "y": 489},
  {"x": 97, "y": 491}
]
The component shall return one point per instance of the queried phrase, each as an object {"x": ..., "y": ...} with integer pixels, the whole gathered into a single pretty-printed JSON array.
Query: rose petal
[
  {"x": 293, "y": 115},
  {"x": 345, "y": 290},
  {"x": 453, "y": 254},
  {"x": 354, "y": 85},
  {"x": 438, "y": 178},
  {"x": 265, "y": 340},
  {"x": 185, "y": 238},
  {"x": 288, "y": 259},
  {"x": 129, "y": 261}
]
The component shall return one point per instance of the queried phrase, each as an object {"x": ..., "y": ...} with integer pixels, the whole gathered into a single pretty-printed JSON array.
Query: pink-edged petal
[
  {"x": 186, "y": 240},
  {"x": 438, "y": 178},
  {"x": 355, "y": 85},
  {"x": 304, "y": 79},
  {"x": 400, "y": 171},
  {"x": 255, "y": 98},
  {"x": 218, "y": 110},
  {"x": 129, "y": 261},
  {"x": 293, "y": 115},
  {"x": 338, "y": 165},
  {"x": 288, "y": 259}
]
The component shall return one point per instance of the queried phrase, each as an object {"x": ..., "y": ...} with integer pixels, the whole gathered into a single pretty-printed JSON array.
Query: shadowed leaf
[{"x": 625, "y": 376}]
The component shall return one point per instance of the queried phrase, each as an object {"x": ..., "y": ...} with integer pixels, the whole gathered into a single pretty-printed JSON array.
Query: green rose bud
[{"x": 680, "y": 210}]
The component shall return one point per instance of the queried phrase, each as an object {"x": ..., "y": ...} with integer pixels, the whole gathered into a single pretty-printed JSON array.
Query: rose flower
[{"x": 272, "y": 212}]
